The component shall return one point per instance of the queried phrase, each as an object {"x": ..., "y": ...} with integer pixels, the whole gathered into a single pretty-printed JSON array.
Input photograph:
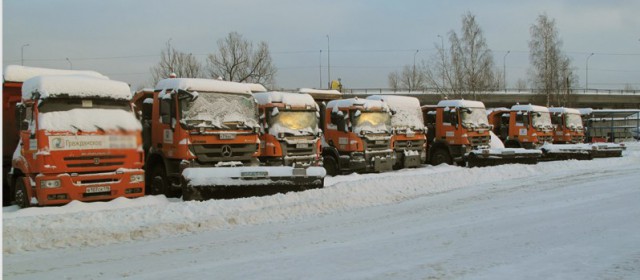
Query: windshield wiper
[{"x": 99, "y": 128}]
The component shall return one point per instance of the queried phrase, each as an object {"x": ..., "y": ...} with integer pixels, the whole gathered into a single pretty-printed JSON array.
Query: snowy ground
[{"x": 553, "y": 220}]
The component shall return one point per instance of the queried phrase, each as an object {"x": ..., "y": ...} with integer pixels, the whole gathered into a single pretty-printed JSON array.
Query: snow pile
[
  {"x": 75, "y": 86},
  {"x": 17, "y": 73},
  {"x": 88, "y": 120},
  {"x": 123, "y": 220},
  {"x": 205, "y": 85},
  {"x": 407, "y": 111}
]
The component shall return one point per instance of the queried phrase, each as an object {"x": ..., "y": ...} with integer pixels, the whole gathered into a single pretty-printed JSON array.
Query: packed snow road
[{"x": 553, "y": 220}]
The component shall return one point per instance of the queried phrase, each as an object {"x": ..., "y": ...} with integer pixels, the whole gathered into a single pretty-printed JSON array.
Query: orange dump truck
[
  {"x": 409, "y": 132},
  {"x": 79, "y": 140},
  {"x": 201, "y": 139},
  {"x": 357, "y": 136},
  {"x": 530, "y": 127},
  {"x": 14, "y": 76},
  {"x": 459, "y": 132}
]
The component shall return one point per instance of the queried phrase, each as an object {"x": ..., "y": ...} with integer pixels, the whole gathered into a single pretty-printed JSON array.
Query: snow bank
[
  {"x": 94, "y": 224},
  {"x": 75, "y": 86},
  {"x": 224, "y": 176},
  {"x": 17, "y": 73},
  {"x": 206, "y": 85}
]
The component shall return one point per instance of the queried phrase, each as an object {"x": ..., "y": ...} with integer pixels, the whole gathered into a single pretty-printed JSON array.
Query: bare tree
[
  {"x": 467, "y": 67},
  {"x": 411, "y": 78},
  {"x": 238, "y": 61},
  {"x": 521, "y": 85},
  {"x": 184, "y": 65},
  {"x": 551, "y": 71}
]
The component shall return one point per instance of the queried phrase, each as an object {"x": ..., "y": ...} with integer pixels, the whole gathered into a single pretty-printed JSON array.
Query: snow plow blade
[
  {"x": 235, "y": 182},
  {"x": 566, "y": 152},
  {"x": 602, "y": 150},
  {"x": 499, "y": 156}
]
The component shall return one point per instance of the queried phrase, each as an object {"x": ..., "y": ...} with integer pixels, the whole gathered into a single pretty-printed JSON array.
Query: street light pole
[
  {"x": 328, "y": 61},
  {"x": 413, "y": 77},
  {"x": 586, "y": 87},
  {"x": 504, "y": 70},
  {"x": 70, "y": 64},
  {"x": 320, "y": 63},
  {"x": 22, "y": 54},
  {"x": 443, "y": 66}
]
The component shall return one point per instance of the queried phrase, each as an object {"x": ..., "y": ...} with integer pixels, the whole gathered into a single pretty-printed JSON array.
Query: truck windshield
[
  {"x": 377, "y": 122},
  {"x": 574, "y": 120},
  {"x": 541, "y": 119},
  {"x": 86, "y": 115},
  {"x": 474, "y": 117},
  {"x": 221, "y": 110},
  {"x": 408, "y": 118},
  {"x": 294, "y": 122}
]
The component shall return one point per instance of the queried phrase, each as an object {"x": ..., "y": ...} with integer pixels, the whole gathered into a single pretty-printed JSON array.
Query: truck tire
[
  {"x": 440, "y": 156},
  {"x": 330, "y": 165},
  {"x": 157, "y": 180},
  {"x": 21, "y": 197}
]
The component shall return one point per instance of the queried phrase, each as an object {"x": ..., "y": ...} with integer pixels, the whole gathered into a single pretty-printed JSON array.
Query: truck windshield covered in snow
[
  {"x": 573, "y": 121},
  {"x": 474, "y": 117},
  {"x": 541, "y": 119},
  {"x": 221, "y": 110},
  {"x": 65, "y": 104},
  {"x": 371, "y": 122},
  {"x": 298, "y": 121}
]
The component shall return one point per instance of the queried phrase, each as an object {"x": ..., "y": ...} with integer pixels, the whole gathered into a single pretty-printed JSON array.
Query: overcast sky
[{"x": 368, "y": 39}]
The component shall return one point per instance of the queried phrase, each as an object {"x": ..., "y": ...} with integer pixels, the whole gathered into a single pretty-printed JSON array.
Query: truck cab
[
  {"x": 456, "y": 127},
  {"x": 523, "y": 126},
  {"x": 409, "y": 132},
  {"x": 357, "y": 136},
  {"x": 567, "y": 126},
  {"x": 79, "y": 140},
  {"x": 289, "y": 125}
]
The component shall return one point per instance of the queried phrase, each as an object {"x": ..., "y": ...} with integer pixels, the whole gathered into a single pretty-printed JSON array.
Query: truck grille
[
  {"x": 294, "y": 149},
  {"x": 115, "y": 161},
  {"x": 548, "y": 139},
  {"x": 212, "y": 153},
  {"x": 479, "y": 141},
  {"x": 376, "y": 145},
  {"x": 409, "y": 145}
]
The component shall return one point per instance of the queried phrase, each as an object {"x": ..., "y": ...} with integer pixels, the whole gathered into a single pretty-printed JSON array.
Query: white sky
[{"x": 368, "y": 39}]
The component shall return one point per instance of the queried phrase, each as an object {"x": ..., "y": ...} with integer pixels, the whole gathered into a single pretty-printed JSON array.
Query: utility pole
[
  {"x": 504, "y": 70},
  {"x": 70, "y": 64},
  {"x": 328, "y": 61},
  {"x": 22, "y": 54},
  {"x": 586, "y": 87},
  {"x": 320, "y": 63}
]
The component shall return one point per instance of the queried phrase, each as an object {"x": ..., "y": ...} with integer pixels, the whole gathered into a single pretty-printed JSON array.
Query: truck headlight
[
  {"x": 50, "y": 184},
  {"x": 136, "y": 178}
]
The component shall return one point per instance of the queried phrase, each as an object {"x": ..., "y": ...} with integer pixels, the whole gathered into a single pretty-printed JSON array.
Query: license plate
[
  {"x": 98, "y": 189},
  {"x": 379, "y": 142},
  {"x": 301, "y": 145},
  {"x": 254, "y": 174},
  {"x": 227, "y": 136}
]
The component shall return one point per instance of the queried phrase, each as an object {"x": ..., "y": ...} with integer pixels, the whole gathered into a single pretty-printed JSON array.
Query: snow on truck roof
[
  {"x": 293, "y": 99},
  {"x": 407, "y": 110},
  {"x": 529, "y": 108},
  {"x": 320, "y": 91},
  {"x": 366, "y": 103},
  {"x": 397, "y": 101},
  {"x": 564, "y": 110},
  {"x": 75, "y": 86},
  {"x": 256, "y": 87},
  {"x": 204, "y": 85},
  {"x": 461, "y": 103},
  {"x": 18, "y": 73}
]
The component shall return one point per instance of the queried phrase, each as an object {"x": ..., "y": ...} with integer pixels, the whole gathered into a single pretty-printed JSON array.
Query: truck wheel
[
  {"x": 21, "y": 197},
  {"x": 330, "y": 165},
  {"x": 440, "y": 156},
  {"x": 157, "y": 180}
]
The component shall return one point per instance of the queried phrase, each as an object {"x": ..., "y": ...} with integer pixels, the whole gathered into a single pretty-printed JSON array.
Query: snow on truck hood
[
  {"x": 17, "y": 73},
  {"x": 75, "y": 86}
]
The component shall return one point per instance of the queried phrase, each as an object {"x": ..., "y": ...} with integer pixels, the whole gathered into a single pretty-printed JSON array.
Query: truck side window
[
  {"x": 165, "y": 111},
  {"x": 446, "y": 116}
]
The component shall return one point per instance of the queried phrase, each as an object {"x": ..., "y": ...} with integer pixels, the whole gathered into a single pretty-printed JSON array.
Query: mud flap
[{"x": 236, "y": 182}]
